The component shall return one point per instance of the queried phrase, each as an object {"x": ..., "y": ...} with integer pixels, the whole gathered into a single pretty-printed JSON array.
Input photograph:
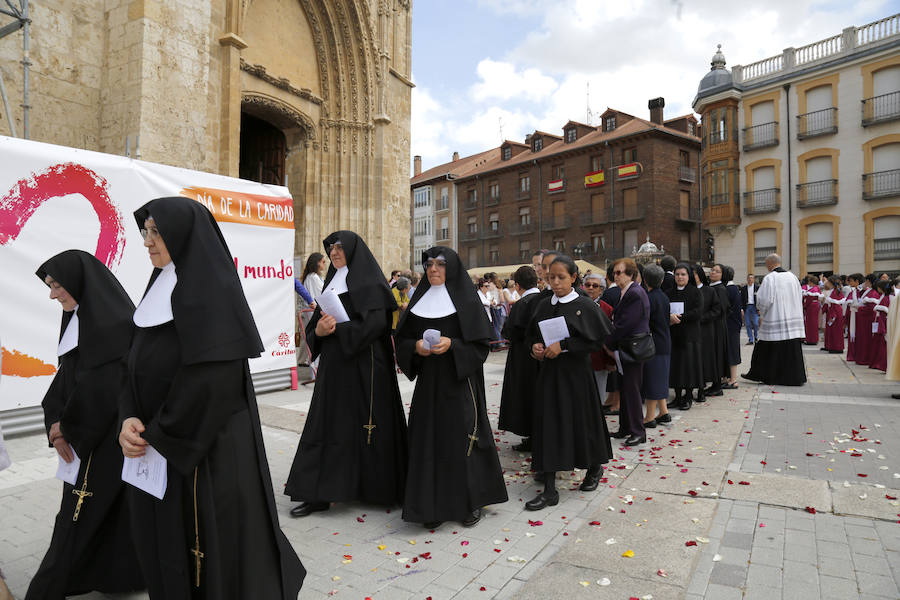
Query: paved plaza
[{"x": 765, "y": 492}]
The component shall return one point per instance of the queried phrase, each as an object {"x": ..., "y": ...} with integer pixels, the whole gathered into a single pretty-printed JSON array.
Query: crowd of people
[{"x": 170, "y": 378}]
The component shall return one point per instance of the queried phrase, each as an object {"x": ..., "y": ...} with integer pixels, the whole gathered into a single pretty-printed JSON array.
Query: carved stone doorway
[{"x": 263, "y": 151}]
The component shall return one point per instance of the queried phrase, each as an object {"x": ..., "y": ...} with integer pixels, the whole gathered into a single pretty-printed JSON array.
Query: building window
[
  {"x": 609, "y": 123},
  {"x": 524, "y": 250},
  {"x": 631, "y": 241},
  {"x": 422, "y": 197},
  {"x": 472, "y": 224},
  {"x": 684, "y": 158},
  {"x": 629, "y": 155},
  {"x": 471, "y": 197},
  {"x": 445, "y": 200},
  {"x": 525, "y": 215},
  {"x": 598, "y": 242},
  {"x": 507, "y": 152},
  {"x": 690, "y": 128},
  {"x": 630, "y": 204},
  {"x": 524, "y": 185},
  {"x": 571, "y": 134},
  {"x": 444, "y": 232},
  {"x": 820, "y": 245},
  {"x": 494, "y": 222},
  {"x": 596, "y": 163},
  {"x": 764, "y": 244},
  {"x": 537, "y": 144},
  {"x": 887, "y": 240},
  {"x": 559, "y": 244},
  {"x": 473, "y": 256},
  {"x": 495, "y": 254},
  {"x": 685, "y": 246},
  {"x": 494, "y": 190}
]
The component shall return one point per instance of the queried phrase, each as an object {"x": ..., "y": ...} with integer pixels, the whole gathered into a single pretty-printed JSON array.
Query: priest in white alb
[{"x": 778, "y": 355}]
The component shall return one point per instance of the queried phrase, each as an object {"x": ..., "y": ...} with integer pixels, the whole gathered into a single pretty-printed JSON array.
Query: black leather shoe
[
  {"x": 700, "y": 399},
  {"x": 523, "y": 446},
  {"x": 432, "y": 524},
  {"x": 650, "y": 424},
  {"x": 306, "y": 508},
  {"x": 717, "y": 392},
  {"x": 634, "y": 440},
  {"x": 729, "y": 386},
  {"x": 748, "y": 378},
  {"x": 685, "y": 404},
  {"x": 895, "y": 396},
  {"x": 666, "y": 418},
  {"x": 472, "y": 519},
  {"x": 541, "y": 501},
  {"x": 674, "y": 403},
  {"x": 591, "y": 480},
  {"x": 619, "y": 434},
  {"x": 749, "y": 344},
  {"x": 612, "y": 412}
]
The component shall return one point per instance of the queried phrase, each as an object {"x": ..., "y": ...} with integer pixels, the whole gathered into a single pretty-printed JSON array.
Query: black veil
[{"x": 366, "y": 284}]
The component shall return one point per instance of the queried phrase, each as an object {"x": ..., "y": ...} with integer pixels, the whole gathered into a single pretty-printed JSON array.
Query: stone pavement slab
[
  {"x": 866, "y": 500},
  {"x": 778, "y": 490}
]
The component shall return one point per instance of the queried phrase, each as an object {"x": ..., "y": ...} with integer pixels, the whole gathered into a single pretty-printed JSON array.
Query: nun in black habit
[
  {"x": 712, "y": 336},
  {"x": 353, "y": 445},
  {"x": 686, "y": 367},
  {"x": 442, "y": 342},
  {"x": 91, "y": 548},
  {"x": 215, "y": 533}
]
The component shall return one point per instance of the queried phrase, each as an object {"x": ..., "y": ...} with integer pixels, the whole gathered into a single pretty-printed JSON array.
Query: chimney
[
  {"x": 455, "y": 156},
  {"x": 656, "y": 110},
  {"x": 417, "y": 165}
]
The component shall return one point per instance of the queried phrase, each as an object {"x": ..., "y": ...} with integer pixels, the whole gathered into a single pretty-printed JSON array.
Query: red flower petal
[
  {"x": 465, "y": 554},
  {"x": 690, "y": 543},
  {"x": 482, "y": 588},
  {"x": 811, "y": 510},
  {"x": 861, "y": 475},
  {"x": 743, "y": 483},
  {"x": 692, "y": 492},
  {"x": 730, "y": 482},
  {"x": 594, "y": 523},
  {"x": 890, "y": 497},
  {"x": 360, "y": 520}
]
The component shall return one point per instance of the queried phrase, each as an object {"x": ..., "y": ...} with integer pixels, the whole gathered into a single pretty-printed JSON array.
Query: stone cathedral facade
[{"x": 312, "y": 94}]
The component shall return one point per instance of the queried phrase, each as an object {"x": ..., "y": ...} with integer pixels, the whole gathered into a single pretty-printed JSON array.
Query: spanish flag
[
  {"x": 595, "y": 179},
  {"x": 629, "y": 170}
]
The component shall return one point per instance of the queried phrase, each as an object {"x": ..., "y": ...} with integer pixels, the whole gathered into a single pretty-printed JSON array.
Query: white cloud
[
  {"x": 427, "y": 131},
  {"x": 501, "y": 81}
]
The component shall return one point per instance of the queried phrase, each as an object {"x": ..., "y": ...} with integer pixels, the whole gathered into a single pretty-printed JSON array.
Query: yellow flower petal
[{"x": 628, "y": 554}]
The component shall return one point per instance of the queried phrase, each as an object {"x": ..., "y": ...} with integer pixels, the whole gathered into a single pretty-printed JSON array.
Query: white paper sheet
[
  {"x": 618, "y": 362},
  {"x": 676, "y": 308},
  {"x": 148, "y": 473},
  {"x": 553, "y": 330},
  {"x": 874, "y": 326},
  {"x": 430, "y": 337},
  {"x": 331, "y": 305},
  {"x": 68, "y": 472}
]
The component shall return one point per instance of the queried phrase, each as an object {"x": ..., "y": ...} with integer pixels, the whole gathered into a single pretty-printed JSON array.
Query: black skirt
[
  {"x": 733, "y": 337},
  {"x": 778, "y": 363},
  {"x": 686, "y": 366}
]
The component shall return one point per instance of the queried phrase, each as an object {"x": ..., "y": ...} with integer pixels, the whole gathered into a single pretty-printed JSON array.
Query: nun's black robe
[
  {"x": 336, "y": 460},
  {"x": 96, "y": 551},
  {"x": 520, "y": 375},
  {"x": 686, "y": 366},
  {"x": 722, "y": 328},
  {"x": 712, "y": 335},
  {"x": 569, "y": 430},
  {"x": 446, "y": 482}
]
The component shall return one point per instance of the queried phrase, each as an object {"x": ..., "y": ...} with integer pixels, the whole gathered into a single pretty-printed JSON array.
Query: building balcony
[
  {"x": 883, "y": 184},
  {"x": 492, "y": 201},
  {"x": 887, "y": 249},
  {"x": 721, "y": 209},
  {"x": 521, "y": 228},
  {"x": 442, "y": 204},
  {"x": 816, "y": 123},
  {"x": 761, "y": 136},
  {"x": 595, "y": 218},
  {"x": 818, "y": 253},
  {"x": 523, "y": 195},
  {"x": 817, "y": 193},
  {"x": 493, "y": 231},
  {"x": 470, "y": 203},
  {"x": 468, "y": 236},
  {"x": 688, "y": 174},
  {"x": 762, "y": 201},
  {"x": 556, "y": 186},
  {"x": 555, "y": 223},
  {"x": 760, "y": 254},
  {"x": 629, "y": 212},
  {"x": 881, "y": 109},
  {"x": 442, "y": 234},
  {"x": 688, "y": 215}
]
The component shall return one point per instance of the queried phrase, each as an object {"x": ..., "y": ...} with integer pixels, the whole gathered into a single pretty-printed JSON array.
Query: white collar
[
  {"x": 434, "y": 303},
  {"x": 156, "y": 306},
  {"x": 730, "y": 283},
  {"x": 69, "y": 339},
  {"x": 671, "y": 272},
  {"x": 715, "y": 283},
  {"x": 565, "y": 299},
  {"x": 699, "y": 285},
  {"x": 338, "y": 283},
  {"x": 680, "y": 288},
  {"x": 530, "y": 291}
]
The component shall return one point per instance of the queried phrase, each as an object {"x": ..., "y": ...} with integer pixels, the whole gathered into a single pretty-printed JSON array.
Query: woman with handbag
[
  {"x": 655, "y": 385},
  {"x": 631, "y": 337}
]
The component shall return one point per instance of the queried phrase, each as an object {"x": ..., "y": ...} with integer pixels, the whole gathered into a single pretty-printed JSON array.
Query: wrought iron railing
[
  {"x": 689, "y": 213},
  {"x": 762, "y": 201},
  {"x": 442, "y": 234},
  {"x": 521, "y": 228},
  {"x": 470, "y": 203},
  {"x": 817, "y": 193},
  {"x": 629, "y": 212},
  {"x": 880, "y": 109},
  {"x": 887, "y": 248},
  {"x": 819, "y": 122},
  {"x": 760, "y": 253},
  {"x": 761, "y": 136},
  {"x": 468, "y": 236},
  {"x": 555, "y": 222},
  {"x": 883, "y": 184},
  {"x": 492, "y": 200},
  {"x": 688, "y": 174},
  {"x": 493, "y": 231},
  {"x": 595, "y": 217},
  {"x": 821, "y": 252}
]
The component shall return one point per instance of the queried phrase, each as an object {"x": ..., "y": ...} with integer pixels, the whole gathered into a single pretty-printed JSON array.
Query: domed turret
[{"x": 718, "y": 74}]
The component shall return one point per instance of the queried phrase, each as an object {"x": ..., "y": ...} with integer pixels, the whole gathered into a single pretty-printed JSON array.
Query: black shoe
[
  {"x": 666, "y": 418},
  {"x": 823, "y": 349},
  {"x": 634, "y": 440},
  {"x": 591, "y": 480},
  {"x": 620, "y": 434},
  {"x": 717, "y": 392},
  {"x": 610, "y": 412},
  {"x": 674, "y": 403},
  {"x": 895, "y": 396},
  {"x": 306, "y": 508},
  {"x": 835, "y": 352},
  {"x": 432, "y": 524},
  {"x": 729, "y": 386},
  {"x": 748, "y": 378},
  {"x": 700, "y": 399},
  {"x": 541, "y": 501},
  {"x": 685, "y": 404},
  {"x": 523, "y": 446},
  {"x": 650, "y": 424},
  {"x": 749, "y": 344},
  {"x": 472, "y": 519}
]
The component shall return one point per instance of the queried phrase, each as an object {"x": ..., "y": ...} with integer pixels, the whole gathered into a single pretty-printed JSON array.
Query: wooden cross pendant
[
  {"x": 369, "y": 429},
  {"x": 82, "y": 494},
  {"x": 472, "y": 439},
  {"x": 197, "y": 556}
]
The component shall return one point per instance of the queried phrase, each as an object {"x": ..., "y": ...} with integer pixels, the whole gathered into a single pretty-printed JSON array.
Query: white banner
[{"x": 54, "y": 198}]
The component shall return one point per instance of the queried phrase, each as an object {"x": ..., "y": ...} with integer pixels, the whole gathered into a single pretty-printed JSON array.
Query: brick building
[{"x": 593, "y": 192}]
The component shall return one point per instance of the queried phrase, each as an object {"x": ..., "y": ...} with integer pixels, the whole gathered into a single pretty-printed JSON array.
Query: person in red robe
[
  {"x": 833, "y": 309},
  {"x": 865, "y": 315},
  {"x": 878, "y": 349},
  {"x": 811, "y": 307},
  {"x": 851, "y": 307}
]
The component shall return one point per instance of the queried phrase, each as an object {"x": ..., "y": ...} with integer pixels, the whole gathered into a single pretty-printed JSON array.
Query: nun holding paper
[{"x": 442, "y": 343}]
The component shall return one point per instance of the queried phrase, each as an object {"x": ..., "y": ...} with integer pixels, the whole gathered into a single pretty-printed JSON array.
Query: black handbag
[{"x": 637, "y": 348}]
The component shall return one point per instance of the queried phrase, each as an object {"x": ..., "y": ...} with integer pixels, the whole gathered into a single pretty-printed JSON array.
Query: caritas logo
[{"x": 284, "y": 340}]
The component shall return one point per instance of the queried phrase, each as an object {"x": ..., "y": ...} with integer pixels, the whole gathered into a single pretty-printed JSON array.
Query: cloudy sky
[{"x": 527, "y": 64}]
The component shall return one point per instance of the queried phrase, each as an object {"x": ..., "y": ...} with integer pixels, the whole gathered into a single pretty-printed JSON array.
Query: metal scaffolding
[{"x": 21, "y": 21}]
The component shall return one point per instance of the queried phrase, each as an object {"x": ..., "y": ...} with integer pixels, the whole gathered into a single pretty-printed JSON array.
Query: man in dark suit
[
  {"x": 667, "y": 263},
  {"x": 751, "y": 315}
]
